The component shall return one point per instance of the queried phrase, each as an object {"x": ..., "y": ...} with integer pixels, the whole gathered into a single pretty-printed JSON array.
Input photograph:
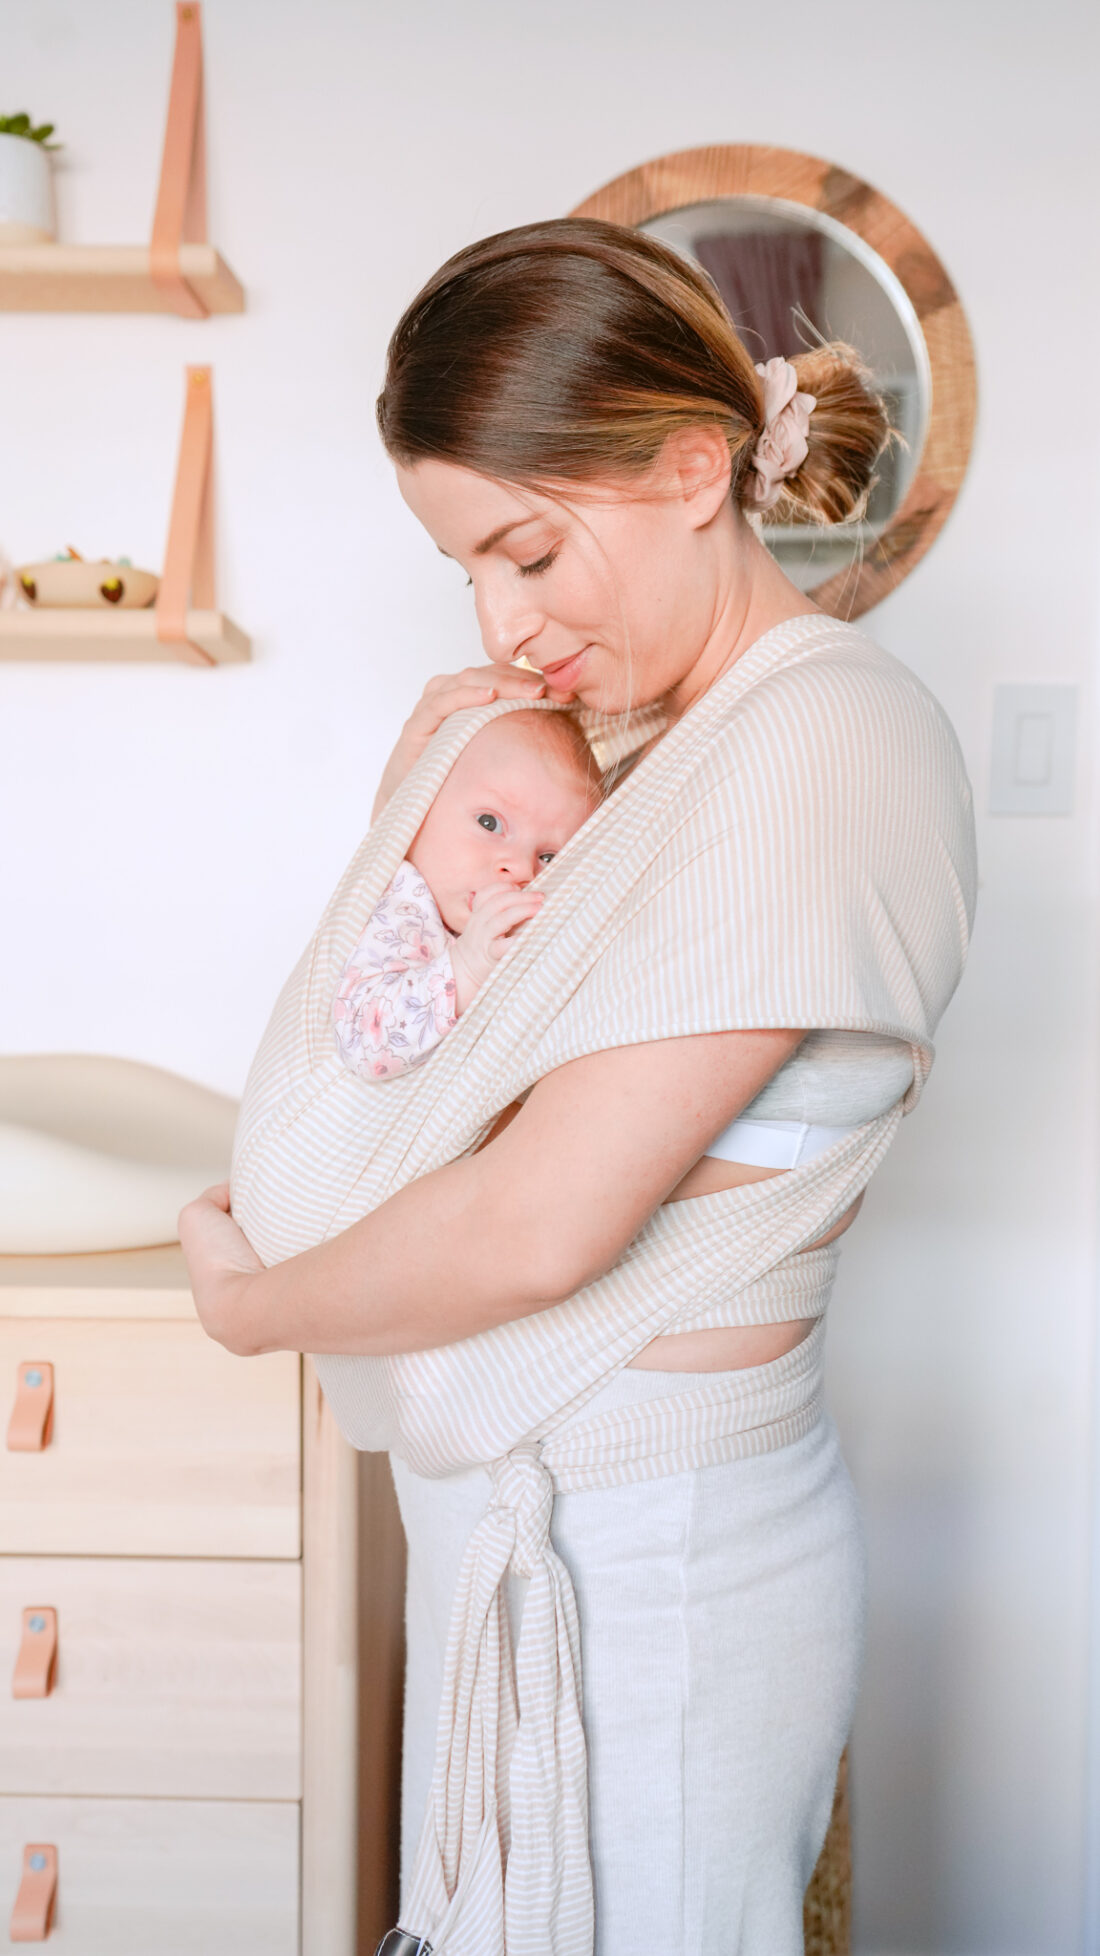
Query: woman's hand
[
  {"x": 448, "y": 693},
  {"x": 222, "y": 1266}
]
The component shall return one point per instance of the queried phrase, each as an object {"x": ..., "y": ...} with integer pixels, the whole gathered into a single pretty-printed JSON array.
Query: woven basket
[{"x": 827, "y": 1909}]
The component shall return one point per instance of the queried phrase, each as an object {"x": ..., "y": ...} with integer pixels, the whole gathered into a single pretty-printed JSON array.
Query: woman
[{"x": 614, "y": 1294}]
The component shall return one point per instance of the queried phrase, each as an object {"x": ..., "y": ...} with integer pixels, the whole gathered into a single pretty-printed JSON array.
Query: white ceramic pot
[{"x": 26, "y": 193}]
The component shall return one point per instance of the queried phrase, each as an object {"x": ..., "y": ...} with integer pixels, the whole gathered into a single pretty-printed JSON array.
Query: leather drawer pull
[
  {"x": 30, "y": 1427},
  {"x": 32, "y": 1916},
  {"x": 36, "y": 1664}
]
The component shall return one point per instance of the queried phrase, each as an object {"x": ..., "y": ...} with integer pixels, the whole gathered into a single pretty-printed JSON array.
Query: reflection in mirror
[{"x": 791, "y": 276}]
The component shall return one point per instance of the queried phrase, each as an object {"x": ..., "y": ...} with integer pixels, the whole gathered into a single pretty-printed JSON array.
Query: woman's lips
[{"x": 563, "y": 677}]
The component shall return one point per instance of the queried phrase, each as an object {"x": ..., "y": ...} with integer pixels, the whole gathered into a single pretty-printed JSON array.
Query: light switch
[
  {"x": 1034, "y": 743},
  {"x": 1034, "y": 750}
]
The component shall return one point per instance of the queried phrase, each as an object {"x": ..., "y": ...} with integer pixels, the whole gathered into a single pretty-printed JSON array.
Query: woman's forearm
[
  {"x": 440, "y": 1260},
  {"x": 539, "y": 1212}
]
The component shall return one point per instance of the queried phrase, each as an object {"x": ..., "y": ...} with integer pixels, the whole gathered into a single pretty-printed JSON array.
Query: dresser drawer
[
  {"x": 162, "y": 1444},
  {"x": 172, "y": 1678},
  {"x": 159, "y": 1877}
]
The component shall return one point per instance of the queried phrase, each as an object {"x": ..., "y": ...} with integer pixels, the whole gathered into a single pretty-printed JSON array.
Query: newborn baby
[{"x": 518, "y": 790}]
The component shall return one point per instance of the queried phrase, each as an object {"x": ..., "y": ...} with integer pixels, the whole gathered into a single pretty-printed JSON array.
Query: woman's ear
[{"x": 698, "y": 466}]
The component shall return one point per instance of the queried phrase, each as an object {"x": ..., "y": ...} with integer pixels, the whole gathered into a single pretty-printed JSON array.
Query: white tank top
[{"x": 833, "y": 1082}]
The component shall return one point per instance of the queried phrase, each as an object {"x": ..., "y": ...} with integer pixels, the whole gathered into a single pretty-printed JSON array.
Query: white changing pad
[{"x": 101, "y": 1154}]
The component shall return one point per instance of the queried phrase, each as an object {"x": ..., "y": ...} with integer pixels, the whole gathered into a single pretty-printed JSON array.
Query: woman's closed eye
[{"x": 536, "y": 569}]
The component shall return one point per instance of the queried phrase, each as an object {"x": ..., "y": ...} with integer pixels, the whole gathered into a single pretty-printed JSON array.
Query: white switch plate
[{"x": 1034, "y": 749}]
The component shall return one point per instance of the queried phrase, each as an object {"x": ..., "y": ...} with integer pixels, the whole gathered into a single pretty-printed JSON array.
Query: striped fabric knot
[
  {"x": 502, "y": 1868},
  {"x": 524, "y": 1492}
]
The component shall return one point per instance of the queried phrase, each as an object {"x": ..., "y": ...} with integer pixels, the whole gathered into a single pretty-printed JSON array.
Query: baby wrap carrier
[{"x": 796, "y": 852}]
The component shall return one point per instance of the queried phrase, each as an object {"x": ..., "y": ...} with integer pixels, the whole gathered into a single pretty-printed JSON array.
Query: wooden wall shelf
[
  {"x": 178, "y": 271},
  {"x": 185, "y": 622},
  {"x": 125, "y": 636},
  {"x": 110, "y": 278}
]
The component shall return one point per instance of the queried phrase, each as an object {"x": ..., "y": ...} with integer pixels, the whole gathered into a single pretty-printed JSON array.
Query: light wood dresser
[{"x": 178, "y": 1628}]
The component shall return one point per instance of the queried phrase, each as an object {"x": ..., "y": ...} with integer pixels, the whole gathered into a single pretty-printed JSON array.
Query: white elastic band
[{"x": 773, "y": 1144}]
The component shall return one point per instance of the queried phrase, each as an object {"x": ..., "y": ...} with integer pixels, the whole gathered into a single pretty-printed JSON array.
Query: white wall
[{"x": 170, "y": 835}]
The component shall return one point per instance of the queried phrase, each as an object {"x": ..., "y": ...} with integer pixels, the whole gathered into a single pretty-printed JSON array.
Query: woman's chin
[
  {"x": 601, "y": 691},
  {"x": 604, "y": 699}
]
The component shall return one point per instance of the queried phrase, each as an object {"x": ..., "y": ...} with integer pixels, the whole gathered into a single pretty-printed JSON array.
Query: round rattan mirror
[{"x": 800, "y": 249}]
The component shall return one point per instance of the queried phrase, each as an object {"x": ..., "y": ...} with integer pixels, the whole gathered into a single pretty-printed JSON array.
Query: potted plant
[{"x": 26, "y": 186}]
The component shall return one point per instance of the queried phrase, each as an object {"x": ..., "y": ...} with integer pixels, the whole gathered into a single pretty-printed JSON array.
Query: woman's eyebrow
[
  {"x": 494, "y": 537},
  {"x": 489, "y": 543}
]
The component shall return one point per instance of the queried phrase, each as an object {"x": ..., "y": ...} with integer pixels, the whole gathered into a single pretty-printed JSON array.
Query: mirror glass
[{"x": 789, "y": 274}]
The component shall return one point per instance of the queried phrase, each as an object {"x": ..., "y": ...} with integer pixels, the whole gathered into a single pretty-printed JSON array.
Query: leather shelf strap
[{"x": 181, "y": 197}]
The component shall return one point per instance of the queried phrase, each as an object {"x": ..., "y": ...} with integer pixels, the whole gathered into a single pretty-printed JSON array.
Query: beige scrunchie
[{"x": 784, "y": 444}]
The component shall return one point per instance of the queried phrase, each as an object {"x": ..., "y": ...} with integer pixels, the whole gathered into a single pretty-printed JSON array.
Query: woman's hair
[{"x": 568, "y": 352}]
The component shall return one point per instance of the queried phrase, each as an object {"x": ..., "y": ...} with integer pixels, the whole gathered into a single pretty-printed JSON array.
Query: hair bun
[{"x": 846, "y": 434}]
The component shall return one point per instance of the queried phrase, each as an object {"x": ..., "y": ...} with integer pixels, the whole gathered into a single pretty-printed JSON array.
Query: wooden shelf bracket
[
  {"x": 178, "y": 271},
  {"x": 180, "y": 216},
  {"x": 188, "y": 575},
  {"x": 183, "y": 623}
]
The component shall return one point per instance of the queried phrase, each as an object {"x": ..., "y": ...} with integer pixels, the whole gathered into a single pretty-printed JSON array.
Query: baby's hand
[{"x": 494, "y": 913}]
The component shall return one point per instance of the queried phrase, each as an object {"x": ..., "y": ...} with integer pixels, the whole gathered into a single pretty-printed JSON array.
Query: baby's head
[{"x": 518, "y": 790}]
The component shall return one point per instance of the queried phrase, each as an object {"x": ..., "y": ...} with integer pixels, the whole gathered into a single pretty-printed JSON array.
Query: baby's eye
[
  {"x": 491, "y": 823},
  {"x": 547, "y": 856}
]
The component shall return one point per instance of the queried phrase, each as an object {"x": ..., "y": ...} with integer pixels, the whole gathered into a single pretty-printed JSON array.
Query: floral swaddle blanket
[{"x": 396, "y": 998}]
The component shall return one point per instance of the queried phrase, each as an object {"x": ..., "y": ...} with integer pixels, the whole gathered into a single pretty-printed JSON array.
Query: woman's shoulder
[
  {"x": 814, "y": 651},
  {"x": 838, "y": 752},
  {"x": 825, "y": 687}
]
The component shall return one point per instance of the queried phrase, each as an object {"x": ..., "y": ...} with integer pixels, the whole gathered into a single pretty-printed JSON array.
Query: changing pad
[{"x": 99, "y": 1153}]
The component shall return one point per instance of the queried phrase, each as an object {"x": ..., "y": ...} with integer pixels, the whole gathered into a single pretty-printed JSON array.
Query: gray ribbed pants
[{"x": 722, "y": 1622}]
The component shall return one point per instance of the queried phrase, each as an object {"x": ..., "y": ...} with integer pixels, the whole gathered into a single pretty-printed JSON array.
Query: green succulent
[{"x": 21, "y": 125}]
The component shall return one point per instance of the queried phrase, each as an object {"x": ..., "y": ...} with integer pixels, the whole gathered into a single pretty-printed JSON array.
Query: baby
[{"x": 518, "y": 790}]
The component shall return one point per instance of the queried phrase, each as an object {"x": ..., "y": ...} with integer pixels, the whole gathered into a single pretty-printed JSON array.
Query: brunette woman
[{"x": 614, "y": 1296}]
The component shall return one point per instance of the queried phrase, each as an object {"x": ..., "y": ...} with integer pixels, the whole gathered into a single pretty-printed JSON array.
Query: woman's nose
[{"x": 507, "y": 625}]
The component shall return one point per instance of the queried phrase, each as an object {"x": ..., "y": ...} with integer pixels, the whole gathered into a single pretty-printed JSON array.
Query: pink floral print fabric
[{"x": 396, "y": 998}]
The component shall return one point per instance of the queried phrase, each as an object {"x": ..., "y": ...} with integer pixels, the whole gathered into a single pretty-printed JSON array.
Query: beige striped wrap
[{"x": 796, "y": 851}]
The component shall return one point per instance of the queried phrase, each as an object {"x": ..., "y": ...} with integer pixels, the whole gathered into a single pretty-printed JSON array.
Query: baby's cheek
[{"x": 455, "y": 914}]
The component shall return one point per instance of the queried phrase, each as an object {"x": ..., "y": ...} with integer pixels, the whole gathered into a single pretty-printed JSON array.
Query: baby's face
[{"x": 506, "y": 808}]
